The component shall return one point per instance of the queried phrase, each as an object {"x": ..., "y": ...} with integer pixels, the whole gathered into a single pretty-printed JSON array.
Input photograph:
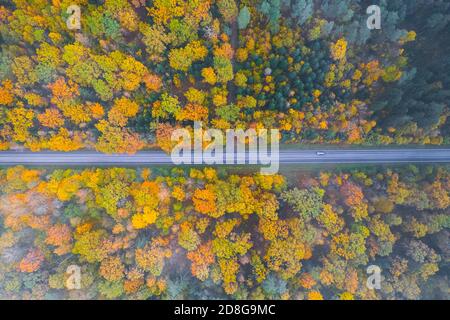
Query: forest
[
  {"x": 205, "y": 233},
  {"x": 119, "y": 76},
  {"x": 136, "y": 70}
]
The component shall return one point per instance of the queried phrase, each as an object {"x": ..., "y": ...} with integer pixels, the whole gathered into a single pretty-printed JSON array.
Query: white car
[{"x": 320, "y": 153}]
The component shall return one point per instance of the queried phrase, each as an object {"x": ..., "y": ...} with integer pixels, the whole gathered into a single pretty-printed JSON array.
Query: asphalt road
[{"x": 286, "y": 157}]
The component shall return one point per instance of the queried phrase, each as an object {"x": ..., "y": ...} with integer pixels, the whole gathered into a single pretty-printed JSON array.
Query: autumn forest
[
  {"x": 205, "y": 233},
  {"x": 119, "y": 76}
]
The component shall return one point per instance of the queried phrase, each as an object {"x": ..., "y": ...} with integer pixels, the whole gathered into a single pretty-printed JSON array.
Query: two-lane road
[{"x": 285, "y": 156}]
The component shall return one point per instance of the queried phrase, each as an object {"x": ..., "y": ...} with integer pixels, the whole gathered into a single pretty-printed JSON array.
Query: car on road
[{"x": 320, "y": 153}]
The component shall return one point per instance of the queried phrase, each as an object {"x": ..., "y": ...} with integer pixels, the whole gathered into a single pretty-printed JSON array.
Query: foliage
[{"x": 134, "y": 233}]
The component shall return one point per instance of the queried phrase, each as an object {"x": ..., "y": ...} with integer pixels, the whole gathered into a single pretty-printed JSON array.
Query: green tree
[{"x": 308, "y": 203}]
